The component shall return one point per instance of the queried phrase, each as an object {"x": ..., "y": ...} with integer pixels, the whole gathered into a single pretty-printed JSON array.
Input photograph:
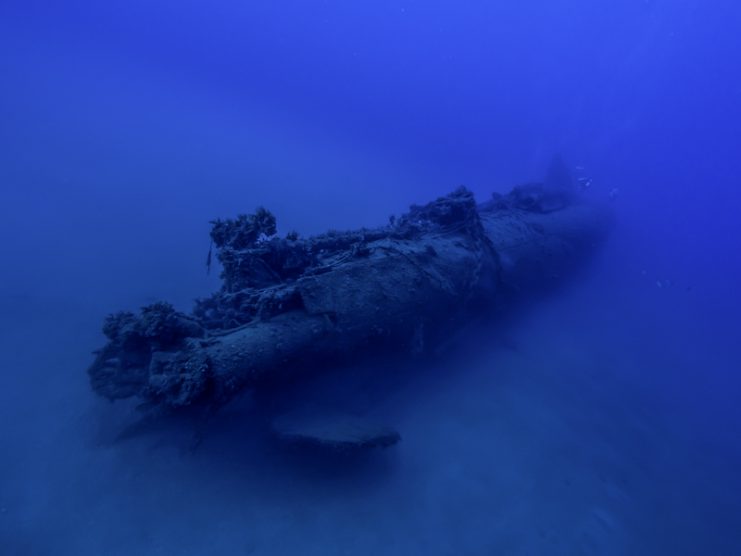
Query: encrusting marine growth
[{"x": 290, "y": 305}]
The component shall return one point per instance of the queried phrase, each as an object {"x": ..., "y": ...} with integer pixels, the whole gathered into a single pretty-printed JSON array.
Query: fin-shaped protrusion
[
  {"x": 332, "y": 431},
  {"x": 559, "y": 176}
]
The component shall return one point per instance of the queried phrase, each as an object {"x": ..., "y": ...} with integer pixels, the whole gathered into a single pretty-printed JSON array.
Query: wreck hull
[{"x": 401, "y": 290}]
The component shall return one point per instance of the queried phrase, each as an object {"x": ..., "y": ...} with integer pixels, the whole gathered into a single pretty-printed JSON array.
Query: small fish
[
  {"x": 208, "y": 258},
  {"x": 584, "y": 183}
]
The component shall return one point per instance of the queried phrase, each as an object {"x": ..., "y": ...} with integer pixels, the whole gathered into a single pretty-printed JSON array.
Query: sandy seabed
[{"x": 561, "y": 433}]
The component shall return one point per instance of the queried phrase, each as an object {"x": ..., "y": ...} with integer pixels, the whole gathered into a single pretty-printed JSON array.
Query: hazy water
[{"x": 604, "y": 420}]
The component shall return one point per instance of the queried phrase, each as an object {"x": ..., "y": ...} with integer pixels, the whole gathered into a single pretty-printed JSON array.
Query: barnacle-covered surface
[
  {"x": 122, "y": 365},
  {"x": 260, "y": 268},
  {"x": 288, "y": 304}
]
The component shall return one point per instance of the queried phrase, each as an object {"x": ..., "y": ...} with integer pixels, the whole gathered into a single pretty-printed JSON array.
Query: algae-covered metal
[{"x": 289, "y": 305}]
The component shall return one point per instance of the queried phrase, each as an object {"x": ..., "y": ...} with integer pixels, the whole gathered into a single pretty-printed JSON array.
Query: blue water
[{"x": 604, "y": 420}]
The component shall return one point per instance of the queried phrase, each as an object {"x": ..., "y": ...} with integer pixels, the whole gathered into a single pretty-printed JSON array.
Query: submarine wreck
[{"x": 291, "y": 306}]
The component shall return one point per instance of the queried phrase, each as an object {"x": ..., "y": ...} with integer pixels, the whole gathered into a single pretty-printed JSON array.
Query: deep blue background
[
  {"x": 188, "y": 101},
  {"x": 126, "y": 126}
]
